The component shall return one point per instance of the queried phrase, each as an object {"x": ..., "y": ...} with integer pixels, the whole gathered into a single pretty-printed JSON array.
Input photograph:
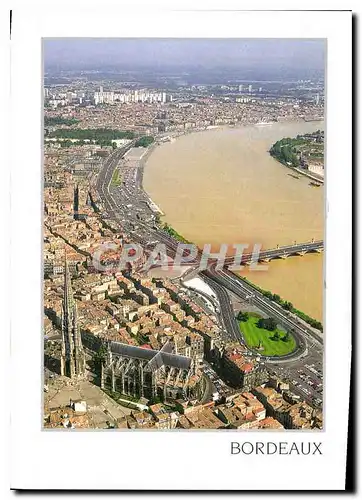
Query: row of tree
[
  {"x": 170, "y": 230},
  {"x": 51, "y": 121},
  {"x": 288, "y": 306}
]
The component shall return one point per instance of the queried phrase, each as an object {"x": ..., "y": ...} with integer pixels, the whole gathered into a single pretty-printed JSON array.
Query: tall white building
[
  {"x": 70, "y": 96},
  {"x": 103, "y": 97}
]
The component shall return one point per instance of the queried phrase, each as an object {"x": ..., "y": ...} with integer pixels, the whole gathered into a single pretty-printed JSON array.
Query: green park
[{"x": 264, "y": 336}]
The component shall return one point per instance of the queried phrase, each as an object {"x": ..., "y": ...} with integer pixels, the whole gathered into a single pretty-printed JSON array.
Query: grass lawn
[
  {"x": 252, "y": 335},
  {"x": 116, "y": 179}
]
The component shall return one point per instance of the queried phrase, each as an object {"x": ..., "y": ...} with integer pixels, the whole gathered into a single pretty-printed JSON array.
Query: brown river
[{"x": 222, "y": 186}]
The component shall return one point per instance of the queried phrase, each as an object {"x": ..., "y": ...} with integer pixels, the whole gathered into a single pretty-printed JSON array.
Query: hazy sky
[{"x": 242, "y": 53}]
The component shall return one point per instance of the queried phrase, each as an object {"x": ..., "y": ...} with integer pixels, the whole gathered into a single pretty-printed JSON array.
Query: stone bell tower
[{"x": 72, "y": 362}]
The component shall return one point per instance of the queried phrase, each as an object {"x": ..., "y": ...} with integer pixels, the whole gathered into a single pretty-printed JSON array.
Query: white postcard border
[{"x": 169, "y": 460}]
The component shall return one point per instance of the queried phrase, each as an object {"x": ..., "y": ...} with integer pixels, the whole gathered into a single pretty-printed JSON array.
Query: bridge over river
[
  {"x": 297, "y": 249},
  {"x": 280, "y": 252}
]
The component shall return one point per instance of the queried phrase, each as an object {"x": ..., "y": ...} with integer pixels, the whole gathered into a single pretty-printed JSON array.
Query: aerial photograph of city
[{"x": 183, "y": 230}]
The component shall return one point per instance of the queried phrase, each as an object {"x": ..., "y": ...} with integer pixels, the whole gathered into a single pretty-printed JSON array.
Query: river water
[{"x": 222, "y": 186}]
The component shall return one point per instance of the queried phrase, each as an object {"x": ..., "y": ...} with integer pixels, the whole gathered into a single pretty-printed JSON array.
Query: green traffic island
[
  {"x": 116, "y": 180},
  {"x": 264, "y": 337},
  {"x": 288, "y": 306}
]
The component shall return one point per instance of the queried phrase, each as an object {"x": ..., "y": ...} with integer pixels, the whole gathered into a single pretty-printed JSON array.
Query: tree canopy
[
  {"x": 50, "y": 121},
  {"x": 144, "y": 141},
  {"x": 267, "y": 323},
  {"x": 242, "y": 316}
]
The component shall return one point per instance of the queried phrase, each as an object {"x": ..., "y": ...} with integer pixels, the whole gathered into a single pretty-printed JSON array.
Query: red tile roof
[{"x": 146, "y": 346}]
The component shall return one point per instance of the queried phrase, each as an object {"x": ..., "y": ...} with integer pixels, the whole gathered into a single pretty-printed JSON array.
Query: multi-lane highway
[{"x": 227, "y": 312}]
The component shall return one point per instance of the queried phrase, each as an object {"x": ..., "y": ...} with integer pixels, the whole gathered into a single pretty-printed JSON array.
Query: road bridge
[
  {"x": 281, "y": 252},
  {"x": 265, "y": 256}
]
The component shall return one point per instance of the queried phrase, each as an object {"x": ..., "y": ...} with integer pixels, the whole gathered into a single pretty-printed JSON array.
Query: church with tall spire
[{"x": 72, "y": 361}]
